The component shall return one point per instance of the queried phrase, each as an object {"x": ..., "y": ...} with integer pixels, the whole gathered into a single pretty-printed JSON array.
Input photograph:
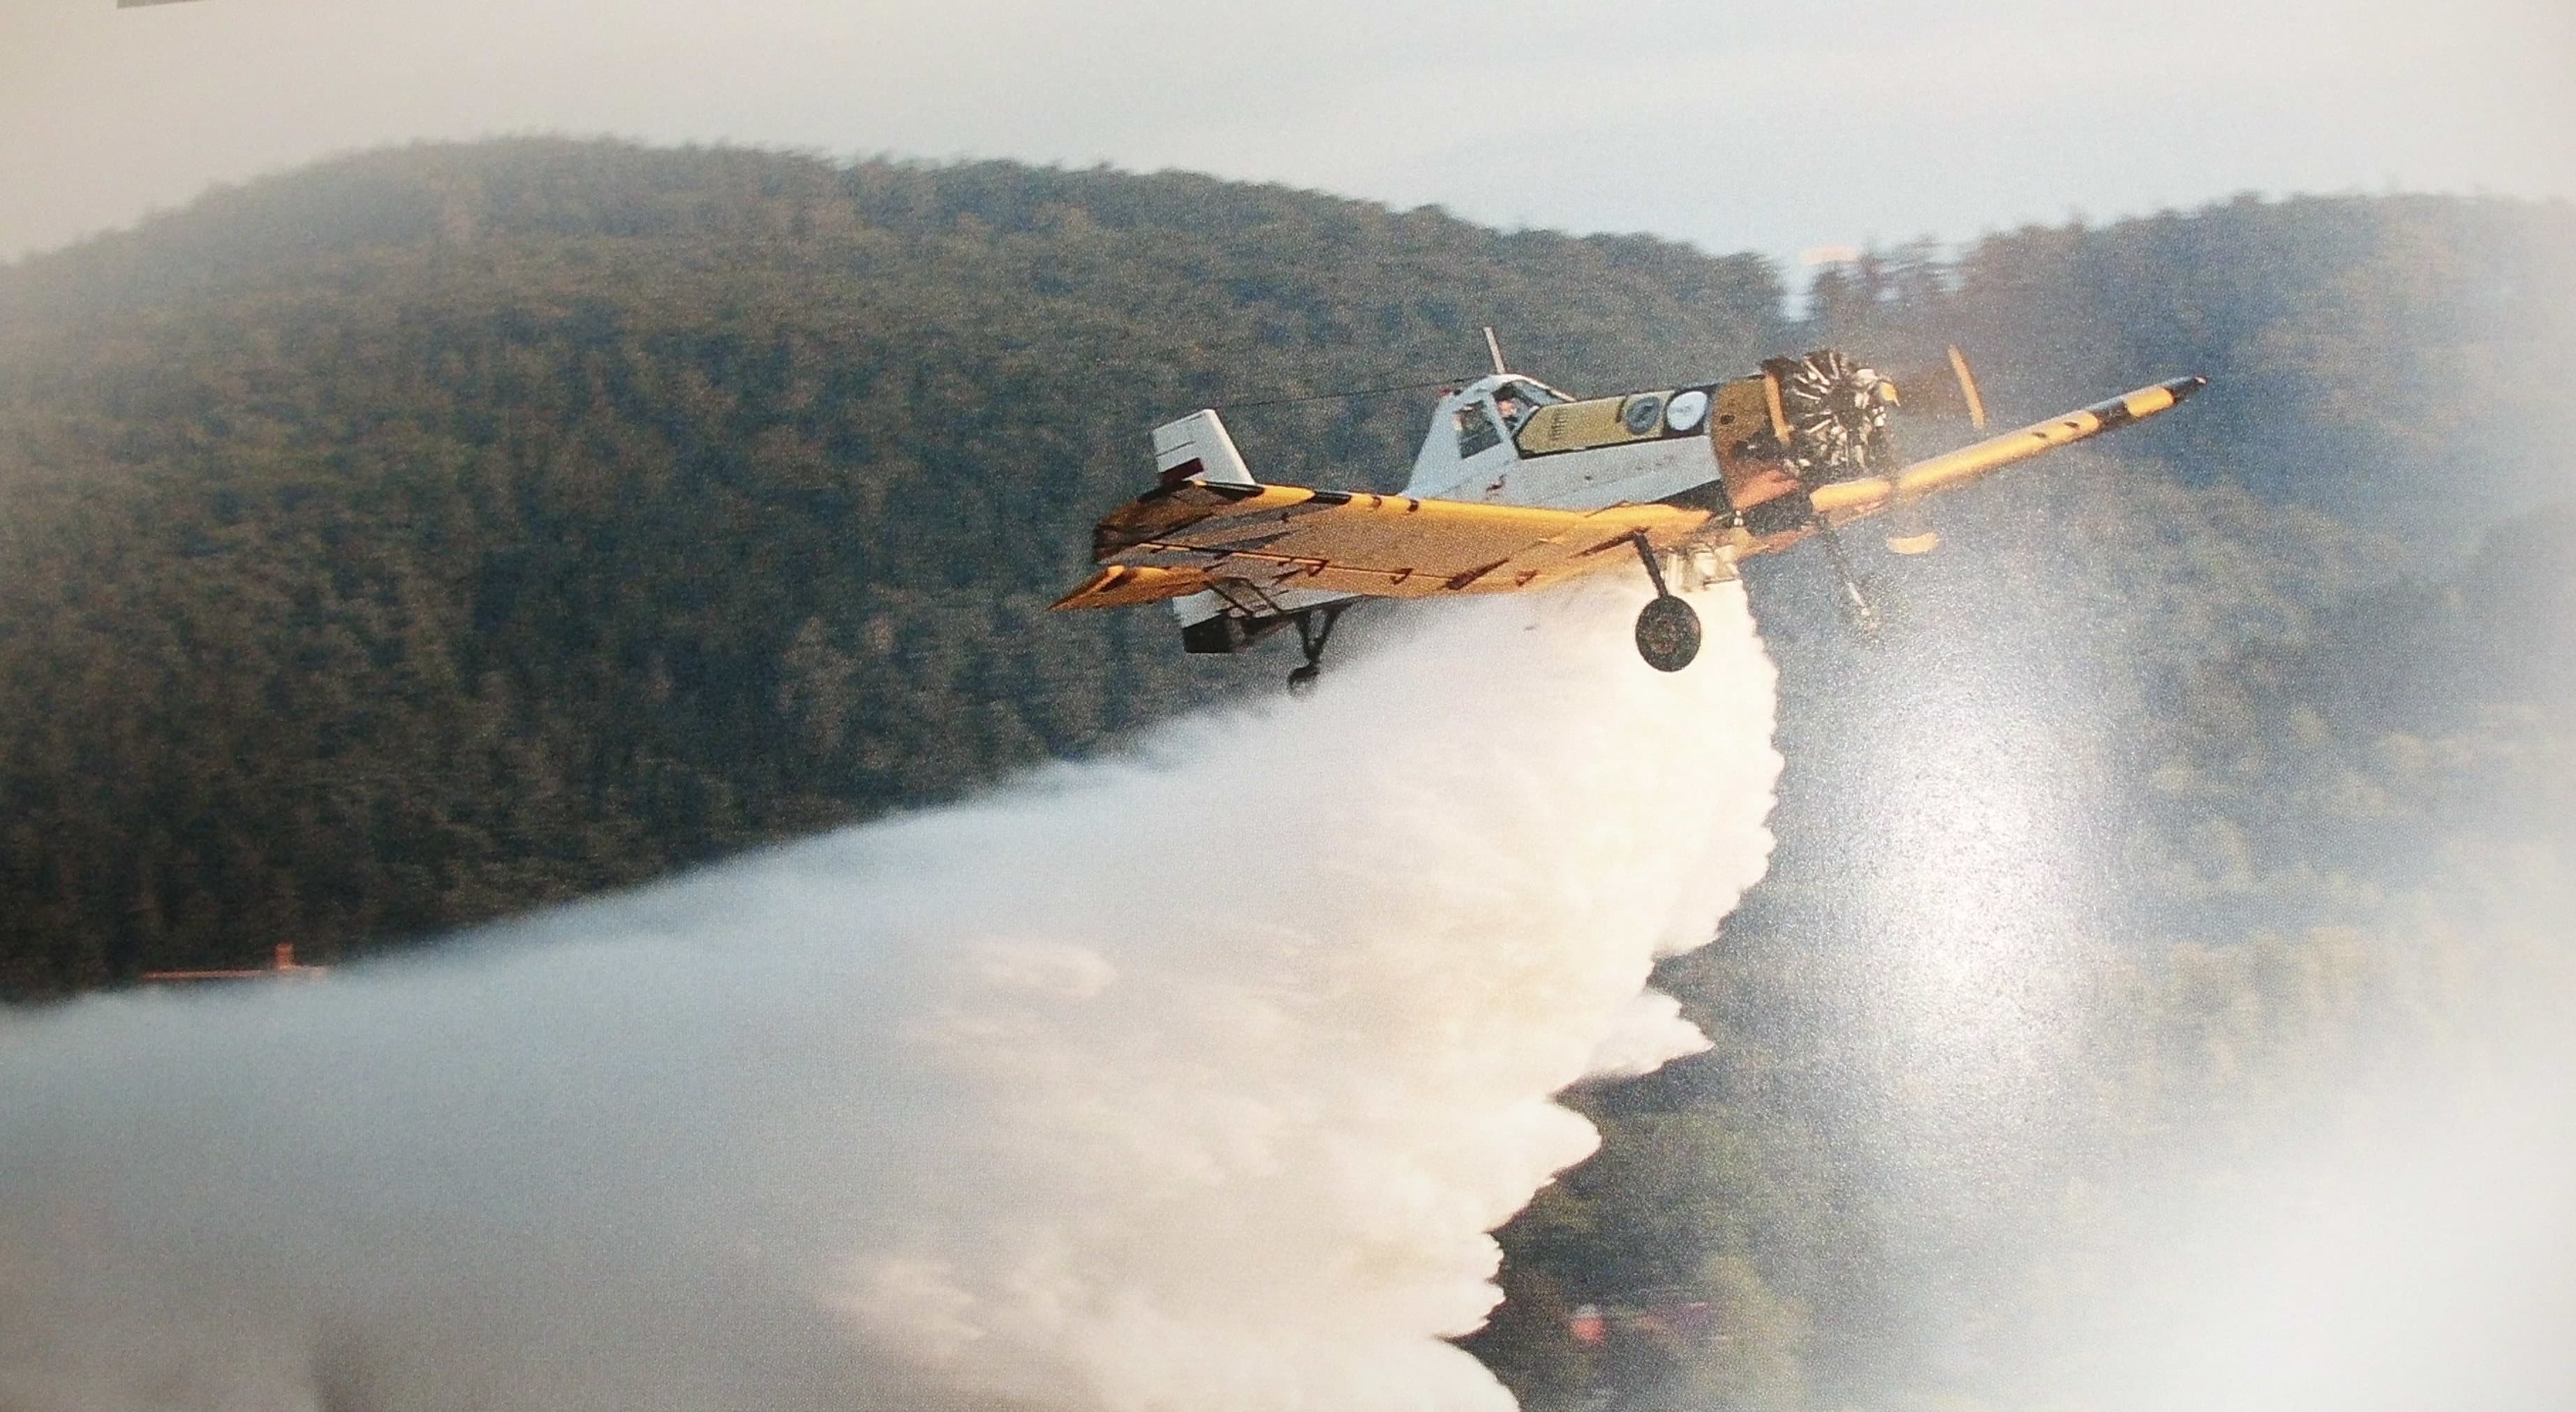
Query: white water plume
[{"x": 1190, "y": 1079}]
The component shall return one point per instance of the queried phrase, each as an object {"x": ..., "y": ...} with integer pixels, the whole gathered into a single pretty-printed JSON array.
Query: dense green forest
[
  {"x": 433, "y": 533},
  {"x": 403, "y": 542}
]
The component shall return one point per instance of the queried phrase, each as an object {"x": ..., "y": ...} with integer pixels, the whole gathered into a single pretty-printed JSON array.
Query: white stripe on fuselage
[{"x": 1639, "y": 473}]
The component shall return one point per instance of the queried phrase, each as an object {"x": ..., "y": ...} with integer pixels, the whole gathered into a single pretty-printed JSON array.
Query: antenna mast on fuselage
[{"x": 1494, "y": 346}]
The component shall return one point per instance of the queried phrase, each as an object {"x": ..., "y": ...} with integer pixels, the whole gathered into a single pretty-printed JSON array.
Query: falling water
[{"x": 1191, "y": 1078}]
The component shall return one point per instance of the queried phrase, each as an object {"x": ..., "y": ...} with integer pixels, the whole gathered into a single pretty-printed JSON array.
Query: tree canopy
[{"x": 439, "y": 532}]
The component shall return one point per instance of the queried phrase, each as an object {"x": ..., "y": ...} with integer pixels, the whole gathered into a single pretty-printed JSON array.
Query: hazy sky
[{"x": 1736, "y": 126}]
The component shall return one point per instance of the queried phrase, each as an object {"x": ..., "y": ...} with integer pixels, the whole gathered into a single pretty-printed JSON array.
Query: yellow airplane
[{"x": 1520, "y": 486}]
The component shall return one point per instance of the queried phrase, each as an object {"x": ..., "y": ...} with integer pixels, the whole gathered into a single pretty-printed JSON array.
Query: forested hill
[
  {"x": 2393, "y": 358},
  {"x": 432, "y": 533},
  {"x": 435, "y": 532}
]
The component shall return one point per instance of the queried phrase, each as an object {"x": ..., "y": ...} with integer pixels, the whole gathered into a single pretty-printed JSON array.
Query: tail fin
[{"x": 1197, "y": 448}]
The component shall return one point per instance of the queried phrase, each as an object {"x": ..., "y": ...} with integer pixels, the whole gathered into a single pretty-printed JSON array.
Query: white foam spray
[{"x": 1190, "y": 1079}]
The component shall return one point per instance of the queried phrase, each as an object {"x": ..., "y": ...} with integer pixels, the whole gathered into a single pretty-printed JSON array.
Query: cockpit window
[
  {"x": 1476, "y": 430},
  {"x": 1517, "y": 399},
  {"x": 1537, "y": 394}
]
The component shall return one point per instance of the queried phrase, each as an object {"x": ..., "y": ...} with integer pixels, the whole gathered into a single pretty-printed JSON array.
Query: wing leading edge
[
  {"x": 1851, "y": 499},
  {"x": 1194, "y": 535}
]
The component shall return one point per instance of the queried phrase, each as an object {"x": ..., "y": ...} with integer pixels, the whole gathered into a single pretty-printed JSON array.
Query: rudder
[{"x": 1197, "y": 448}]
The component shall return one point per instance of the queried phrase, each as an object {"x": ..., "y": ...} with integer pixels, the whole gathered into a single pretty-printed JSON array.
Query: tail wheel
[
  {"x": 1668, "y": 634},
  {"x": 1837, "y": 415}
]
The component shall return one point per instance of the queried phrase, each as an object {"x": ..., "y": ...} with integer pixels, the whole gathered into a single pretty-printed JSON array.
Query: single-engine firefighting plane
[{"x": 1520, "y": 486}]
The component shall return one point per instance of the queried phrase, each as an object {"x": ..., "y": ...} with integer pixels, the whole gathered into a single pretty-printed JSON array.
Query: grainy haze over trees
[{"x": 436, "y": 533}]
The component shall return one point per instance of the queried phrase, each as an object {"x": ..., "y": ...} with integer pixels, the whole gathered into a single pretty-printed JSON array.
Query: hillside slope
[
  {"x": 2393, "y": 358},
  {"x": 430, "y": 533},
  {"x": 433, "y": 533}
]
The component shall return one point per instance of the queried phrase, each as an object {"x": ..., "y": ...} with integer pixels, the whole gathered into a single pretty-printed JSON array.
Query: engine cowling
[{"x": 1836, "y": 411}]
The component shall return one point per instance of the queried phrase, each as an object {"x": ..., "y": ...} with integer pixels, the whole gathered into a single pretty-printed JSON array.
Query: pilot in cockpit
[{"x": 1516, "y": 400}]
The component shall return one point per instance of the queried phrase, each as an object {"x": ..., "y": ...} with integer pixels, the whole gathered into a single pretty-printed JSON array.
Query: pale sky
[{"x": 1773, "y": 127}]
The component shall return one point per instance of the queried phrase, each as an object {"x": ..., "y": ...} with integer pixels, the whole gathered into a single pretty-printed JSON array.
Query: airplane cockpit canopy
[
  {"x": 1515, "y": 398},
  {"x": 1477, "y": 418},
  {"x": 1507, "y": 400},
  {"x": 1476, "y": 431}
]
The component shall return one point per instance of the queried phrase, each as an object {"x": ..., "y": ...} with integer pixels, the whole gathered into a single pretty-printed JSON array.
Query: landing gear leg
[
  {"x": 1314, "y": 629},
  {"x": 1857, "y": 608},
  {"x": 1667, "y": 630}
]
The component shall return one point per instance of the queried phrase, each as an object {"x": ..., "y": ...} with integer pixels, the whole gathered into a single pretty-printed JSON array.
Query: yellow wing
[
  {"x": 1851, "y": 499},
  {"x": 1195, "y": 535}
]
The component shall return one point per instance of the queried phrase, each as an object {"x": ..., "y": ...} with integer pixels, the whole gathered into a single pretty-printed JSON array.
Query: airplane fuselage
[
  {"x": 1566, "y": 454},
  {"x": 1518, "y": 486}
]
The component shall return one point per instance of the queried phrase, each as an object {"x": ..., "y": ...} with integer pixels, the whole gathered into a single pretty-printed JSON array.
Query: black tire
[
  {"x": 1301, "y": 681},
  {"x": 1668, "y": 634}
]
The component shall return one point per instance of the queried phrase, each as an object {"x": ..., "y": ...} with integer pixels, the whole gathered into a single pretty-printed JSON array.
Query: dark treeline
[
  {"x": 436, "y": 533},
  {"x": 413, "y": 539}
]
